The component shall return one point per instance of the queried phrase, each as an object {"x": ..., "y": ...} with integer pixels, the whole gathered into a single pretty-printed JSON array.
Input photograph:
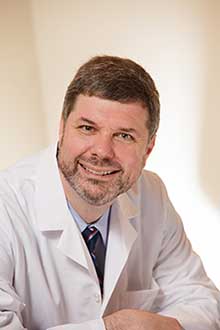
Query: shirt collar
[{"x": 102, "y": 224}]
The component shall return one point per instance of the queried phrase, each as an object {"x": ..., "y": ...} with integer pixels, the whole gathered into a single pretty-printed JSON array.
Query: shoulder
[
  {"x": 18, "y": 186},
  {"x": 22, "y": 171},
  {"x": 14, "y": 177},
  {"x": 154, "y": 192},
  {"x": 150, "y": 196},
  {"x": 17, "y": 183},
  {"x": 150, "y": 186}
]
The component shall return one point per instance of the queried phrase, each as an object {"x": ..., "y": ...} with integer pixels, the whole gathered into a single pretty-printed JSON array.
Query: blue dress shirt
[{"x": 102, "y": 224}]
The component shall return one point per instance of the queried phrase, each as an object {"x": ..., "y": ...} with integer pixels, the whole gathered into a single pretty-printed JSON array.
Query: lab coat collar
[{"x": 51, "y": 206}]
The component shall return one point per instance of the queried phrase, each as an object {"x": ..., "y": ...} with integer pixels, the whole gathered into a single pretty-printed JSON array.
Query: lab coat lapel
[
  {"x": 72, "y": 246},
  {"x": 121, "y": 238}
]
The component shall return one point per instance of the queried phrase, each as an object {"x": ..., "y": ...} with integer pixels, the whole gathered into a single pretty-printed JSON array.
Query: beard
[{"x": 94, "y": 191}]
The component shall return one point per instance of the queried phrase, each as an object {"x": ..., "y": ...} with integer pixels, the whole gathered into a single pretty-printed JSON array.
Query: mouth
[{"x": 102, "y": 173}]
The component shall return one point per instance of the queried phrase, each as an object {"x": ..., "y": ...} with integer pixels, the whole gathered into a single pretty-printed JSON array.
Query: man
[{"x": 88, "y": 239}]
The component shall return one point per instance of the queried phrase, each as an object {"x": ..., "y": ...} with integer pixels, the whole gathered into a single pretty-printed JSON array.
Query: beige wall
[
  {"x": 22, "y": 124},
  {"x": 176, "y": 41}
]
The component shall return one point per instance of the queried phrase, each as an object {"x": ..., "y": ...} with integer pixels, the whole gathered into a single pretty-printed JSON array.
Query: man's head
[
  {"x": 117, "y": 79},
  {"x": 107, "y": 130}
]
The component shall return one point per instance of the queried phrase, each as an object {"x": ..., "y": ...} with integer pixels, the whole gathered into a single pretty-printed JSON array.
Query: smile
[{"x": 95, "y": 172}]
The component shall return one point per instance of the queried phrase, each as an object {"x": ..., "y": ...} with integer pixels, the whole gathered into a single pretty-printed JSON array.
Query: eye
[
  {"x": 125, "y": 137},
  {"x": 87, "y": 128}
]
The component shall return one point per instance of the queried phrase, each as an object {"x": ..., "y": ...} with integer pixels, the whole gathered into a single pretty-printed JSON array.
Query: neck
[{"x": 89, "y": 213}]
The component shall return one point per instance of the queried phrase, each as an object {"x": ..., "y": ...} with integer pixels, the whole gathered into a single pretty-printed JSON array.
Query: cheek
[
  {"x": 74, "y": 146},
  {"x": 132, "y": 160},
  {"x": 69, "y": 140},
  {"x": 68, "y": 148}
]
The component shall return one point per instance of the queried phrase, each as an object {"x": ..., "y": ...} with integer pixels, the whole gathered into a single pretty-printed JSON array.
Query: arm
[
  {"x": 11, "y": 306},
  {"x": 139, "y": 320},
  {"x": 185, "y": 292}
]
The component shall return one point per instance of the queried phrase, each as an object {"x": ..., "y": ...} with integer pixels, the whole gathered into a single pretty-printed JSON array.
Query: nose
[{"x": 103, "y": 147}]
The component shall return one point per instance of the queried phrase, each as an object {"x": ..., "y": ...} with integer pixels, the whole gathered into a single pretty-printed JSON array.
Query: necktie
[{"x": 96, "y": 248}]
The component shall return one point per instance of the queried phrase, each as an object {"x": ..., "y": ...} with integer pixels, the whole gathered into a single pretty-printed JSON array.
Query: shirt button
[{"x": 97, "y": 298}]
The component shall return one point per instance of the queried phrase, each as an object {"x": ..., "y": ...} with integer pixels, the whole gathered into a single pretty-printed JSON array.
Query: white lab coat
[{"x": 47, "y": 278}]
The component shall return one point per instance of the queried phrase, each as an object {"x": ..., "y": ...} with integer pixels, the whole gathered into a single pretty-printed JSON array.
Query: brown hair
[{"x": 116, "y": 79}]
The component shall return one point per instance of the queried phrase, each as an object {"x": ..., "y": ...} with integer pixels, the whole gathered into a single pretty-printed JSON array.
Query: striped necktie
[{"x": 96, "y": 247}]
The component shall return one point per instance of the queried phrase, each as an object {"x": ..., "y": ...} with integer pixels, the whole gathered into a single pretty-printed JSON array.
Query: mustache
[{"x": 100, "y": 162}]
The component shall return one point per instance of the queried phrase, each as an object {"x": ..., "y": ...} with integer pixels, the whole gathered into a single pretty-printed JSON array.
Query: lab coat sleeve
[
  {"x": 10, "y": 304},
  {"x": 10, "y": 316},
  {"x": 186, "y": 293}
]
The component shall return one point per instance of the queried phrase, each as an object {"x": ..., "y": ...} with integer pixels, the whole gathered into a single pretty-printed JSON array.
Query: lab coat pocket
[{"x": 140, "y": 299}]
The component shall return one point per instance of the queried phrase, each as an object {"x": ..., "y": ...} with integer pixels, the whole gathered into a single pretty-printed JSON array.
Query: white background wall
[{"x": 44, "y": 41}]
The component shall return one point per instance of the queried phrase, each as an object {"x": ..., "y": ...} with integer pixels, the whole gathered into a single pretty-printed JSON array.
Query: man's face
[{"x": 103, "y": 147}]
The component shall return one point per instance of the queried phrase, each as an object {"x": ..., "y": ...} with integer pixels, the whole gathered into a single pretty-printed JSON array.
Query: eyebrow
[
  {"x": 87, "y": 120},
  {"x": 124, "y": 129},
  {"x": 128, "y": 130}
]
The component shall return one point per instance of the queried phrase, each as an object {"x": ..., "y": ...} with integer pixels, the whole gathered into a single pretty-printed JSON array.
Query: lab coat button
[{"x": 97, "y": 298}]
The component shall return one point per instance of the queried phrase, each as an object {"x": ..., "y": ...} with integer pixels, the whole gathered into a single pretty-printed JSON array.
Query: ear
[
  {"x": 61, "y": 129},
  {"x": 150, "y": 146}
]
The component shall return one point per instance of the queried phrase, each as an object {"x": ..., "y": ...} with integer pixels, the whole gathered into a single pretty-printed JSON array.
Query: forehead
[{"x": 110, "y": 113}]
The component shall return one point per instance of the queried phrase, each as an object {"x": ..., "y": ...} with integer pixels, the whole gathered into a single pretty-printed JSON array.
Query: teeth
[{"x": 96, "y": 172}]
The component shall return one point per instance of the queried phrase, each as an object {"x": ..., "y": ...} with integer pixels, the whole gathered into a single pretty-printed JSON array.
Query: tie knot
[{"x": 89, "y": 233}]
